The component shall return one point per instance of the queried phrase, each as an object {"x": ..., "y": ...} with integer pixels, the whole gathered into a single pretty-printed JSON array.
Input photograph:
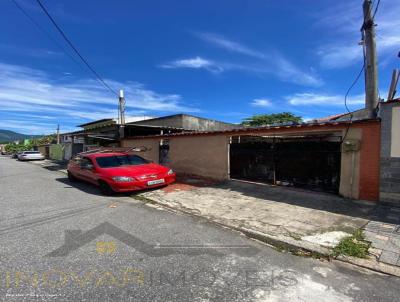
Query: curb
[{"x": 292, "y": 245}]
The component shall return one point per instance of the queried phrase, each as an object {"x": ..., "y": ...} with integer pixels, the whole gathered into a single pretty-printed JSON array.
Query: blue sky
[{"x": 224, "y": 60}]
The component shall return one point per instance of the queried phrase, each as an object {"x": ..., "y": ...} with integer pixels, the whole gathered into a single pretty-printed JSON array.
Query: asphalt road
[{"x": 65, "y": 242}]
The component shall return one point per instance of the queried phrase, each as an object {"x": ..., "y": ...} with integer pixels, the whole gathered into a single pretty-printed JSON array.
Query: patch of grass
[
  {"x": 354, "y": 246},
  {"x": 279, "y": 247}
]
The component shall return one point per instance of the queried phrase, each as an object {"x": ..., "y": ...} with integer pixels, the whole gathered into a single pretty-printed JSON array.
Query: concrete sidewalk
[{"x": 286, "y": 218}]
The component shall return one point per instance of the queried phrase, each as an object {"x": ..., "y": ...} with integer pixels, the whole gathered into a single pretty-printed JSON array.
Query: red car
[{"x": 118, "y": 172}]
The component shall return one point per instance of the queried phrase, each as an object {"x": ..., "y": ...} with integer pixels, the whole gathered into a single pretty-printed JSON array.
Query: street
[{"x": 66, "y": 242}]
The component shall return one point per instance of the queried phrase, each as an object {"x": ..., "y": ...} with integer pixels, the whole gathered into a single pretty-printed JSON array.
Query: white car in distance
[{"x": 30, "y": 155}]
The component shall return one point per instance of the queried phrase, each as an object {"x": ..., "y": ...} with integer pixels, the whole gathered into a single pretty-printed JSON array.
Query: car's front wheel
[
  {"x": 105, "y": 188},
  {"x": 71, "y": 177}
]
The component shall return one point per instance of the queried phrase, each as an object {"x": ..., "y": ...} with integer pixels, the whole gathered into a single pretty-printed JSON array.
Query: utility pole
[
  {"x": 121, "y": 107},
  {"x": 58, "y": 134},
  {"x": 371, "y": 68},
  {"x": 121, "y": 114}
]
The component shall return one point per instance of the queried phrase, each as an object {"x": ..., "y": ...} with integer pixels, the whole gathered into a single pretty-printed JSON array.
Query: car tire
[
  {"x": 105, "y": 188},
  {"x": 71, "y": 177}
]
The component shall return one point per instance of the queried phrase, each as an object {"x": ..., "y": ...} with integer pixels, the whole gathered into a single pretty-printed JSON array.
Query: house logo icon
[{"x": 75, "y": 239}]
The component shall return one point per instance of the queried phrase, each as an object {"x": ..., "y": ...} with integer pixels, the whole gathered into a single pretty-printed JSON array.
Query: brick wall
[{"x": 369, "y": 162}]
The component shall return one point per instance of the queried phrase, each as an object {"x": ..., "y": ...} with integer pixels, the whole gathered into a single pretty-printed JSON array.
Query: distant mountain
[{"x": 10, "y": 136}]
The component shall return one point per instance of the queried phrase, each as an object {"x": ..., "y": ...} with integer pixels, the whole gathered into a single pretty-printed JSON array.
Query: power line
[
  {"x": 376, "y": 9},
  {"x": 351, "y": 87},
  {"x": 345, "y": 100},
  {"x": 45, "y": 32},
  {"x": 30, "y": 18},
  {"x": 100, "y": 79}
]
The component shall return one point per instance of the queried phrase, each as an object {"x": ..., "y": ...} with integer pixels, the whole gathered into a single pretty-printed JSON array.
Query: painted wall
[
  {"x": 370, "y": 162},
  {"x": 67, "y": 151},
  {"x": 56, "y": 152},
  {"x": 395, "y": 135},
  {"x": 350, "y": 167},
  {"x": 206, "y": 156},
  {"x": 152, "y": 146},
  {"x": 390, "y": 152},
  {"x": 188, "y": 122}
]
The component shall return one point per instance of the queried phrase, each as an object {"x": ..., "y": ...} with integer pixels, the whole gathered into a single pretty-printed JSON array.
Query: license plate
[{"x": 155, "y": 182}]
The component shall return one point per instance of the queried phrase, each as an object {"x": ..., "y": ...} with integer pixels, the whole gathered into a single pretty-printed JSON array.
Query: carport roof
[{"x": 246, "y": 130}]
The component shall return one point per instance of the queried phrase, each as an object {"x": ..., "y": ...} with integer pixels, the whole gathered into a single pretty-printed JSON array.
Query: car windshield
[{"x": 120, "y": 160}]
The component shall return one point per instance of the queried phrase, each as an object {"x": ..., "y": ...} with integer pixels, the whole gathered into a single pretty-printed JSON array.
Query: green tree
[
  {"x": 45, "y": 140},
  {"x": 12, "y": 148},
  {"x": 269, "y": 119}
]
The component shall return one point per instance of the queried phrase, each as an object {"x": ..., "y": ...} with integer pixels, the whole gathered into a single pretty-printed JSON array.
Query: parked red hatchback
[{"x": 118, "y": 172}]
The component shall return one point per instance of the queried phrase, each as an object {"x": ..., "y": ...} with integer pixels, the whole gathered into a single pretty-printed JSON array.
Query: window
[
  {"x": 85, "y": 162},
  {"x": 120, "y": 160}
]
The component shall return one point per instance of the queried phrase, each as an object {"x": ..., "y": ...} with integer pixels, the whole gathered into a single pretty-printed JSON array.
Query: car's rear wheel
[
  {"x": 105, "y": 188},
  {"x": 71, "y": 177}
]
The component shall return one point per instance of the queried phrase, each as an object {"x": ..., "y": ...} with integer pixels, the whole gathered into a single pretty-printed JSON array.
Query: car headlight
[
  {"x": 170, "y": 172},
  {"x": 123, "y": 179}
]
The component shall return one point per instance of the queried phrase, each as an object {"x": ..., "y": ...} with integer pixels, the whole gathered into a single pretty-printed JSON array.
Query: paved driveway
[{"x": 68, "y": 243}]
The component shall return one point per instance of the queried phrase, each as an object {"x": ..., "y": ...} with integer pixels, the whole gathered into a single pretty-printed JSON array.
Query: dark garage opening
[{"x": 310, "y": 162}]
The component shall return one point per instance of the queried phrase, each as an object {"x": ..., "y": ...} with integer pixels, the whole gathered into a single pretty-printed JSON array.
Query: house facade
[{"x": 338, "y": 157}]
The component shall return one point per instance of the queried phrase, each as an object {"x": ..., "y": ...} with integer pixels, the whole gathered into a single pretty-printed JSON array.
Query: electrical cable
[
  {"x": 100, "y": 79},
  {"x": 46, "y": 33},
  {"x": 376, "y": 9}
]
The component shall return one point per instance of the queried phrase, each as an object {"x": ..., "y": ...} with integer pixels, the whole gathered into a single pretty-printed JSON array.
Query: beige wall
[
  {"x": 152, "y": 144},
  {"x": 350, "y": 168},
  {"x": 395, "y": 146},
  {"x": 42, "y": 149},
  {"x": 206, "y": 156}
]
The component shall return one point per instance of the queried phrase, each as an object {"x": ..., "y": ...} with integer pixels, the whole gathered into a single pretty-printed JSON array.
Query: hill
[{"x": 10, "y": 136}]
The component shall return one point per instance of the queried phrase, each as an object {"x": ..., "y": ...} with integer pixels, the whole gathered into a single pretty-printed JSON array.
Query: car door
[{"x": 87, "y": 170}]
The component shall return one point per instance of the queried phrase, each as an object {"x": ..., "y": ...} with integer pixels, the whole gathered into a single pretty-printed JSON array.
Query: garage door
[{"x": 306, "y": 162}]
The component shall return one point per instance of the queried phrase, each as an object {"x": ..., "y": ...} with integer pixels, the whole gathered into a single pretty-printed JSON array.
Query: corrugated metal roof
[{"x": 98, "y": 121}]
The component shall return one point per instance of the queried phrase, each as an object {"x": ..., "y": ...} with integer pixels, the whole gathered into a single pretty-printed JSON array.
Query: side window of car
[{"x": 85, "y": 162}]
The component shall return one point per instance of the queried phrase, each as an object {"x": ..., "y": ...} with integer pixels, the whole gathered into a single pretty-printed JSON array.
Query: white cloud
[
  {"x": 29, "y": 90},
  {"x": 339, "y": 56},
  {"x": 196, "y": 63},
  {"x": 29, "y": 128},
  {"x": 271, "y": 63},
  {"x": 287, "y": 71},
  {"x": 261, "y": 103},
  {"x": 227, "y": 44},
  {"x": 32, "y": 101},
  {"x": 344, "y": 22},
  {"x": 314, "y": 99}
]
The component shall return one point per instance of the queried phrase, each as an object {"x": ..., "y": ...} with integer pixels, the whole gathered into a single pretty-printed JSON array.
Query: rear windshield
[
  {"x": 31, "y": 152},
  {"x": 120, "y": 160}
]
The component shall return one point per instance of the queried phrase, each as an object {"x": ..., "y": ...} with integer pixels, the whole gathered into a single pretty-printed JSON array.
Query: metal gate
[{"x": 311, "y": 163}]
